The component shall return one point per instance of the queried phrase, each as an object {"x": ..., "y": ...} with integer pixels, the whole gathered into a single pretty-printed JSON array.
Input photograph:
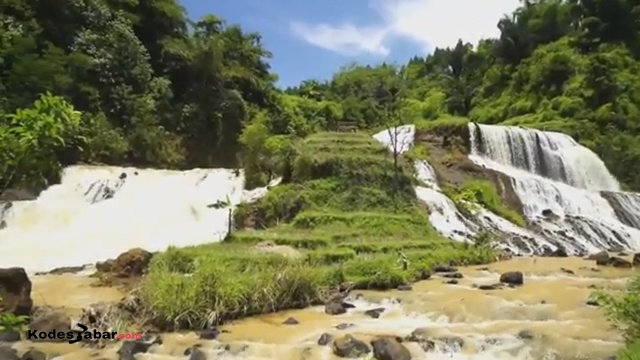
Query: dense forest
[{"x": 135, "y": 82}]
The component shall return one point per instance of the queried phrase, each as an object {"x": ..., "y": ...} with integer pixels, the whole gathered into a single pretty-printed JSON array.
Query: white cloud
[{"x": 428, "y": 23}]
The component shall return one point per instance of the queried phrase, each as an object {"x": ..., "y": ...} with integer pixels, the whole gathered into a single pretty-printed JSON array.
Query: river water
[{"x": 546, "y": 318}]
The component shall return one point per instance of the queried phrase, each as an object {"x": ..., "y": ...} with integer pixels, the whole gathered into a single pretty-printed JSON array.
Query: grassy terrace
[{"x": 347, "y": 210}]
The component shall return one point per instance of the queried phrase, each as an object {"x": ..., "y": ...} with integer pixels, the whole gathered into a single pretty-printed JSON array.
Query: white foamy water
[
  {"x": 581, "y": 218},
  {"x": 76, "y": 223},
  {"x": 445, "y": 217}
]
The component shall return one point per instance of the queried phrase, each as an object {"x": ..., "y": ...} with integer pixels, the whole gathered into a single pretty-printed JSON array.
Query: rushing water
[
  {"x": 552, "y": 173},
  {"x": 99, "y": 212},
  {"x": 551, "y": 306}
]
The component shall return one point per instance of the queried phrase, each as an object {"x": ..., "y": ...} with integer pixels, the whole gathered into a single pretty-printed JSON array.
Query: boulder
[
  {"x": 337, "y": 307},
  {"x": 375, "y": 312},
  {"x": 636, "y": 259},
  {"x": 48, "y": 319},
  {"x": 349, "y": 347},
  {"x": 601, "y": 258},
  {"x": 422, "y": 336},
  {"x": 15, "y": 291},
  {"x": 388, "y": 348},
  {"x": 619, "y": 262},
  {"x": 105, "y": 266},
  {"x": 325, "y": 339},
  {"x": 512, "y": 278},
  {"x": 131, "y": 263}
]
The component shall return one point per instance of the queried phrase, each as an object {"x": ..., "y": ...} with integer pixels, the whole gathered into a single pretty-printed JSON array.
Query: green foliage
[
  {"x": 13, "y": 322},
  {"x": 31, "y": 138},
  {"x": 624, "y": 309},
  {"x": 484, "y": 193},
  {"x": 347, "y": 210},
  {"x": 10, "y": 321}
]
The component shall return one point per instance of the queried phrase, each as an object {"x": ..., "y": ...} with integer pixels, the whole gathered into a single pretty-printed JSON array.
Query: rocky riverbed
[{"x": 523, "y": 308}]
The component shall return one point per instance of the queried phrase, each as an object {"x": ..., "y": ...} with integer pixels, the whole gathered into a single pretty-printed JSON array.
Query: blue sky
[{"x": 311, "y": 39}]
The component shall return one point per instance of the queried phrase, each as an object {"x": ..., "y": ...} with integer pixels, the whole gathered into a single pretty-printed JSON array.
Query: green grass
[
  {"x": 485, "y": 194},
  {"x": 347, "y": 209}
]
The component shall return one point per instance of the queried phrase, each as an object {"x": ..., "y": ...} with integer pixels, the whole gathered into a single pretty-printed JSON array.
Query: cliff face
[{"x": 447, "y": 150}]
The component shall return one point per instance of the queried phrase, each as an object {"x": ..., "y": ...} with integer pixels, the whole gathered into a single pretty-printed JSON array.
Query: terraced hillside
[{"x": 347, "y": 211}]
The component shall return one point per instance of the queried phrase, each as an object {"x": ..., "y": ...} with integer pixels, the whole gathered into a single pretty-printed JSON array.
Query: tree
[{"x": 31, "y": 138}]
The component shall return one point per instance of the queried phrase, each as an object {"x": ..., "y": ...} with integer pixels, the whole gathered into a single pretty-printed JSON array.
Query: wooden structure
[{"x": 347, "y": 126}]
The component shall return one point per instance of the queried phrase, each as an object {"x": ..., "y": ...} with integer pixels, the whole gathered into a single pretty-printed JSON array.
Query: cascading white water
[
  {"x": 445, "y": 217},
  {"x": 626, "y": 206},
  {"x": 553, "y": 174},
  {"x": 552, "y": 155},
  {"x": 96, "y": 213}
]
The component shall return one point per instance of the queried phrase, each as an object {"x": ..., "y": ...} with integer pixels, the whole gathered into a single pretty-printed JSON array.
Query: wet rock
[
  {"x": 350, "y": 347},
  {"x": 444, "y": 269},
  {"x": 9, "y": 336},
  {"x": 194, "y": 353},
  {"x": 592, "y": 302},
  {"x": 374, "y": 313},
  {"x": 388, "y": 348},
  {"x": 291, "y": 321},
  {"x": 3, "y": 225},
  {"x": 549, "y": 214},
  {"x": 48, "y": 319},
  {"x": 209, "y": 334},
  {"x": 483, "y": 269},
  {"x": 636, "y": 259},
  {"x": 337, "y": 307},
  {"x": 344, "y": 326},
  {"x": 34, "y": 355},
  {"x": 622, "y": 253},
  {"x": 568, "y": 271},
  {"x": 235, "y": 349},
  {"x": 452, "y": 282},
  {"x": 455, "y": 275},
  {"x": 105, "y": 266},
  {"x": 7, "y": 353},
  {"x": 17, "y": 195},
  {"x": 616, "y": 249},
  {"x": 497, "y": 286},
  {"x": 559, "y": 252},
  {"x": 421, "y": 336},
  {"x": 424, "y": 274},
  {"x": 601, "y": 258},
  {"x": 525, "y": 335},
  {"x": 512, "y": 278},
  {"x": 133, "y": 262},
  {"x": 15, "y": 291},
  {"x": 325, "y": 339},
  {"x": 63, "y": 270},
  {"x": 619, "y": 262},
  {"x": 454, "y": 343},
  {"x": 129, "y": 349},
  {"x": 404, "y": 287}
]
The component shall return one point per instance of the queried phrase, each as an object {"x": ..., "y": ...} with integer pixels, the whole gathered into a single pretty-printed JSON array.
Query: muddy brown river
[{"x": 546, "y": 318}]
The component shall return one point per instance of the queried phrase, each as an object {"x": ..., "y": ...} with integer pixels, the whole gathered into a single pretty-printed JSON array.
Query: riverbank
[{"x": 552, "y": 313}]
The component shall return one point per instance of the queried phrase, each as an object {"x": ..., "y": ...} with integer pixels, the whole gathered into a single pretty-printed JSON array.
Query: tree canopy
[{"x": 135, "y": 82}]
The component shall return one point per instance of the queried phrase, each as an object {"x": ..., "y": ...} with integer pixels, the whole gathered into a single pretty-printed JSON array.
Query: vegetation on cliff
[{"x": 347, "y": 209}]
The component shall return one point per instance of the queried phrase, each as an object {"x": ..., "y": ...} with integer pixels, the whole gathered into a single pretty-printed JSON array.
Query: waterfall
[
  {"x": 558, "y": 182},
  {"x": 551, "y": 155},
  {"x": 98, "y": 212},
  {"x": 626, "y": 206}
]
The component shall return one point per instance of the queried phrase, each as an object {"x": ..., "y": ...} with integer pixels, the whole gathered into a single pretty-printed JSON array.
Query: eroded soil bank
[{"x": 549, "y": 315}]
